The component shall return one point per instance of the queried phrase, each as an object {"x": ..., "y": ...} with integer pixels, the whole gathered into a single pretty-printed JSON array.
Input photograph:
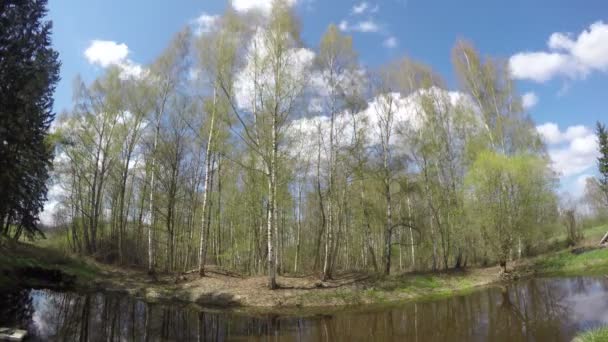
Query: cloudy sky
[{"x": 557, "y": 49}]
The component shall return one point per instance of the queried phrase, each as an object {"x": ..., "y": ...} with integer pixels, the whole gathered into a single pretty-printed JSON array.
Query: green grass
[
  {"x": 590, "y": 235},
  {"x": 398, "y": 288},
  {"x": 590, "y": 262},
  {"x": 55, "y": 240},
  {"x": 18, "y": 256},
  {"x": 430, "y": 287},
  {"x": 434, "y": 286},
  {"x": 422, "y": 282},
  {"x": 594, "y": 234},
  {"x": 597, "y": 335},
  {"x": 568, "y": 263}
]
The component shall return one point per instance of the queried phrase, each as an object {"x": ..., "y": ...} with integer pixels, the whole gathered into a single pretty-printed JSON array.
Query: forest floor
[
  {"x": 28, "y": 265},
  {"x": 218, "y": 288},
  {"x": 223, "y": 289}
]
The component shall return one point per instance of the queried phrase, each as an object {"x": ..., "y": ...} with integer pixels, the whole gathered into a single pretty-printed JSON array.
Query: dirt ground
[{"x": 224, "y": 289}]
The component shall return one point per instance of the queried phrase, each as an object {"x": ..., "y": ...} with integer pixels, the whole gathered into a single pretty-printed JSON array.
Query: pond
[{"x": 544, "y": 309}]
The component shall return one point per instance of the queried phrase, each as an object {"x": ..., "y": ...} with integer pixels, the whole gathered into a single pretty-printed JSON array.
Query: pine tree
[{"x": 29, "y": 71}]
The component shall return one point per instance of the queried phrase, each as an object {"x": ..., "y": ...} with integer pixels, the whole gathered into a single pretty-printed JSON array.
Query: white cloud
[
  {"x": 572, "y": 151},
  {"x": 360, "y": 8},
  {"x": 591, "y": 47},
  {"x": 578, "y": 131},
  {"x": 568, "y": 161},
  {"x": 263, "y": 5},
  {"x": 568, "y": 57},
  {"x": 540, "y": 66},
  {"x": 365, "y": 26},
  {"x": 408, "y": 114},
  {"x": 364, "y": 7},
  {"x": 106, "y": 53},
  {"x": 585, "y": 145},
  {"x": 48, "y": 212},
  {"x": 131, "y": 69},
  {"x": 205, "y": 23},
  {"x": 552, "y": 135},
  {"x": 529, "y": 100},
  {"x": 296, "y": 70},
  {"x": 390, "y": 42},
  {"x": 193, "y": 73},
  {"x": 54, "y": 195},
  {"x": 560, "y": 41}
]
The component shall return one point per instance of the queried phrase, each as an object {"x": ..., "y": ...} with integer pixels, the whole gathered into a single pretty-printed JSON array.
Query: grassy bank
[
  {"x": 597, "y": 335},
  {"x": 23, "y": 264},
  {"x": 593, "y": 235},
  {"x": 345, "y": 289},
  {"x": 396, "y": 289},
  {"x": 581, "y": 261},
  {"x": 584, "y": 259}
]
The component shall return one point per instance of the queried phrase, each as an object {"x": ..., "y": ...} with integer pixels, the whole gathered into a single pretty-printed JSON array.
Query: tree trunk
[
  {"x": 434, "y": 268},
  {"x": 203, "y": 240},
  {"x": 299, "y": 229},
  {"x": 604, "y": 240},
  {"x": 409, "y": 210},
  {"x": 151, "y": 212},
  {"x": 272, "y": 283},
  {"x": 321, "y": 206},
  {"x": 218, "y": 260},
  {"x": 367, "y": 228},
  {"x": 503, "y": 265},
  {"x": 388, "y": 231}
]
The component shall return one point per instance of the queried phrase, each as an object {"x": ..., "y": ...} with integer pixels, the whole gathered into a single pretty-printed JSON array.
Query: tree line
[{"x": 243, "y": 148}]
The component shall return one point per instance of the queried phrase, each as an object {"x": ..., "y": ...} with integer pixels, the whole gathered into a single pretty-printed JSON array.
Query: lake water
[{"x": 545, "y": 309}]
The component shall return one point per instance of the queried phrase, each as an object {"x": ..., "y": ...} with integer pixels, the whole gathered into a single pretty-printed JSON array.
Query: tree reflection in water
[{"x": 536, "y": 309}]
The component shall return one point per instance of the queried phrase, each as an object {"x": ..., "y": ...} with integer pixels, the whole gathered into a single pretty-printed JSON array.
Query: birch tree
[
  {"x": 270, "y": 87},
  {"x": 165, "y": 75},
  {"x": 336, "y": 62}
]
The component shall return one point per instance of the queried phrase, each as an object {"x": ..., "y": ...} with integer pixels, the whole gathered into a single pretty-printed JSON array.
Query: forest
[
  {"x": 243, "y": 148},
  {"x": 266, "y": 177}
]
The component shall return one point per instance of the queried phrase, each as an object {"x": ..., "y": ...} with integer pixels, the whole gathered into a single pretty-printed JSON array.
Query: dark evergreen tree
[
  {"x": 602, "y": 160},
  {"x": 29, "y": 71}
]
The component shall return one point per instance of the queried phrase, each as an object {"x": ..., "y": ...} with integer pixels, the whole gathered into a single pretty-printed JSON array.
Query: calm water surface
[{"x": 548, "y": 309}]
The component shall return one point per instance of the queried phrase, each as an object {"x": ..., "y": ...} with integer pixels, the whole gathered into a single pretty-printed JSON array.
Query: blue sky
[{"x": 561, "y": 49}]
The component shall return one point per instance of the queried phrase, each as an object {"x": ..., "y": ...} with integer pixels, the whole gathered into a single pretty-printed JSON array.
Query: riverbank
[
  {"x": 27, "y": 265},
  {"x": 597, "y": 335}
]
